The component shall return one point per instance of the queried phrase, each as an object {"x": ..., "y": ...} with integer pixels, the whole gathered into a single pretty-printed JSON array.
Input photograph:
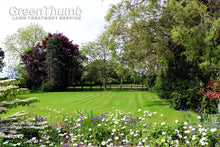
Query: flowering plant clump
[
  {"x": 14, "y": 127},
  {"x": 20, "y": 129},
  {"x": 114, "y": 129},
  {"x": 212, "y": 91},
  {"x": 211, "y": 95},
  {"x": 8, "y": 93}
]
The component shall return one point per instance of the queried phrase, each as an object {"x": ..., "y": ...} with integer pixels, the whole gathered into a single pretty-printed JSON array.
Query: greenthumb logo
[{"x": 45, "y": 13}]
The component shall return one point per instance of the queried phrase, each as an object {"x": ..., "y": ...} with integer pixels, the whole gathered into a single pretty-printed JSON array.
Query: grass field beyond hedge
[{"x": 98, "y": 102}]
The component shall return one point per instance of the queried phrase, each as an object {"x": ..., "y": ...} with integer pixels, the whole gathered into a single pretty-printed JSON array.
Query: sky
[{"x": 80, "y": 31}]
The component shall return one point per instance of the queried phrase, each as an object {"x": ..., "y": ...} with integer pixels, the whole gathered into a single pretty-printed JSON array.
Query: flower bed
[{"x": 114, "y": 129}]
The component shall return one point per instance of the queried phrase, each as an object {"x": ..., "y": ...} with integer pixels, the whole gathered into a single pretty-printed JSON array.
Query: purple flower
[
  {"x": 197, "y": 109},
  {"x": 94, "y": 118},
  {"x": 33, "y": 106},
  {"x": 119, "y": 142},
  {"x": 183, "y": 110}
]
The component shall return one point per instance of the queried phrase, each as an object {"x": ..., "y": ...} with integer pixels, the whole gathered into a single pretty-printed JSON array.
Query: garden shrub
[
  {"x": 180, "y": 81},
  {"x": 45, "y": 87},
  {"x": 211, "y": 96},
  {"x": 150, "y": 80},
  {"x": 162, "y": 86}
]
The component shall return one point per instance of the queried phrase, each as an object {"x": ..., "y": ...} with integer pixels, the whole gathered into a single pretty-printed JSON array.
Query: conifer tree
[{"x": 55, "y": 65}]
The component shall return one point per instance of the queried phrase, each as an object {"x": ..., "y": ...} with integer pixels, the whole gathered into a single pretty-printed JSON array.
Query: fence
[{"x": 140, "y": 87}]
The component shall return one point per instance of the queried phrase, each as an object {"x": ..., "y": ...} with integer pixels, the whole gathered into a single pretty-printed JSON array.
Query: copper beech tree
[{"x": 53, "y": 64}]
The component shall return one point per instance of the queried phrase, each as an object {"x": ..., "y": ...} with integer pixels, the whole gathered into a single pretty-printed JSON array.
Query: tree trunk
[
  {"x": 82, "y": 87},
  {"x": 110, "y": 86},
  {"x": 131, "y": 85},
  {"x": 104, "y": 84},
  {"x": 90, "y": 86},
  {"x": 121, "y": 85},
  {"x": 142, "y": 85},
  {"x": 101, "y": 87}
]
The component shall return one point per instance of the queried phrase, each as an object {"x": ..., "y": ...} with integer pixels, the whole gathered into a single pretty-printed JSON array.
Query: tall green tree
[
  {"x": 150, "y": 31},
  {"x": 98, "y": 52},
  {"x": 55, "y": 65},
  {"x": 20, "y": 42},
  {"x": 92, "y": 73},
  {"x": 122, "y": 72},
  {"x": 160, "y": 34}
]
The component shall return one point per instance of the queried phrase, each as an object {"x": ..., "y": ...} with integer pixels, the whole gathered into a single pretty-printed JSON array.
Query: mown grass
[{"x": 98, "y": 102}]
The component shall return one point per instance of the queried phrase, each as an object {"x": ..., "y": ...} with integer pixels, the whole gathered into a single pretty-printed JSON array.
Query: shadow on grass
[{"x": 155, "y": 103}]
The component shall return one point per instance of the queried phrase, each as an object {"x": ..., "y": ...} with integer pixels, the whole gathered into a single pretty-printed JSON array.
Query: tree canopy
[
  {"x": 180, "y": 39},
  {"x": 55, "y": 52},
  {"x": 20, "y": 42},
  {"x": 99, "y": 53},
  {"x": 150, "y": 31}
]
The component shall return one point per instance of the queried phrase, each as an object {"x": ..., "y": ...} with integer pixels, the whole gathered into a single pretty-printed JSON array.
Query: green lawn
[{"x": 99, "y": 102}]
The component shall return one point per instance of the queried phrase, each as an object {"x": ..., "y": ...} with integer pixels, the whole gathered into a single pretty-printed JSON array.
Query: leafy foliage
[
  {"x": 35, "y": 61},
  {"x": 180, "y": 38},
  {"x": 8, "y": 93},
  {"x": 20, "y": 42},
  {"x": 211, "y": 96},
  {"x": 55, "y": 65},
  {"x": 99, "y": 53}
]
